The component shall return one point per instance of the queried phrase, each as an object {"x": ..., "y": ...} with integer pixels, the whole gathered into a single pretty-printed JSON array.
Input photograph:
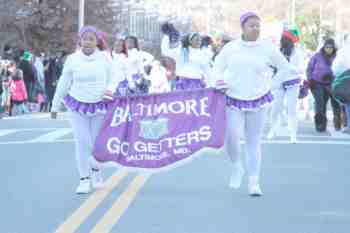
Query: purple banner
[{"x": 160, "y": 131}]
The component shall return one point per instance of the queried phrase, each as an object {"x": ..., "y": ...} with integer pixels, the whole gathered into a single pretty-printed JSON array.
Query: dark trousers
[
  {"x": 30, "y": 91},
  {"x": 322, "y": 95}
]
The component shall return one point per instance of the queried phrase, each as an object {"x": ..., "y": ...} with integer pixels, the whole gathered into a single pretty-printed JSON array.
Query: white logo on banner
[{"x": 153, "y": 129}]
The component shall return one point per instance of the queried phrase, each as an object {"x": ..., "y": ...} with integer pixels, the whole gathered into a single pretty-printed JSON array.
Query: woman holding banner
[
  {"x": 87, "y": 81},
  {"x": 243, "y": 70},
  {"x": 192, "y": 62}
]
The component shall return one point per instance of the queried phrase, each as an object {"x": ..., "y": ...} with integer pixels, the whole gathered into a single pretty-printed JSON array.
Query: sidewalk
[{"x": 37, "y": 115}]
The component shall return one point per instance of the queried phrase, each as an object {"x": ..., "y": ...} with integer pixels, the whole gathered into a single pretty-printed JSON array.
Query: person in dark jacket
[
  {"x": 8, "y": 53},
  {"x": 28, "y": 74},
  {"x": 320, "y": 76},
  {"x": 52, "y": 72}
]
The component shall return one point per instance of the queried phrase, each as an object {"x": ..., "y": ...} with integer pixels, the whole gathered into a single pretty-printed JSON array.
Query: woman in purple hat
[
  {"x": 243, "y": 70},
  {"x": 87, "y": 81}
]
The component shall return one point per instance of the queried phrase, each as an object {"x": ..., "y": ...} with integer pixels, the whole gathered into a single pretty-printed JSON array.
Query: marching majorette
[
  {"x": 158, "y": 77},
  {"x": 86, "y": 83},
  {"x": 170, "y": 41},
  {"x": 135, "y": 68},
  {"x": 242, "y": 69},
  {"x": 287, "y": 87},
  {"x": 119, "y": 51},
  {"x": 192, "y": 62},
  {"x": 119, "y": 56}
]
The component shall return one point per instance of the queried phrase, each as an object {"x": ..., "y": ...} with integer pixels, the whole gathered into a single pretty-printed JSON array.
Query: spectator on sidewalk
[
  {"x": 320, "y": 77},
  {"x": 51, "y": 72},
  {"x": 18, "y": 93},
  {"x": 5, "y": 94},
  {"x": 28, "y": 74},
  {"x": 341, "y": 64}
]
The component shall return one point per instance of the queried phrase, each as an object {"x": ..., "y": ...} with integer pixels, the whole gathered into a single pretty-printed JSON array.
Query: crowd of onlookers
[{"x": 28, "y": 81}]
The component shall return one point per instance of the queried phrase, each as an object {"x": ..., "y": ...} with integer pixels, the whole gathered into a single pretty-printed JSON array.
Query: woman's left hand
[
  {"x": 221, "y": 85},
  {"x": 108, "y": 95}
]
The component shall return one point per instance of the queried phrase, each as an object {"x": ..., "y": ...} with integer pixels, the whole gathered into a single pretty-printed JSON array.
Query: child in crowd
[{"x": 18, "y": 93}]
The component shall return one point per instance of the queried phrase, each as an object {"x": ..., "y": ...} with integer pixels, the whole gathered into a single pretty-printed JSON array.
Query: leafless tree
[{"x": 49, "y": 24}]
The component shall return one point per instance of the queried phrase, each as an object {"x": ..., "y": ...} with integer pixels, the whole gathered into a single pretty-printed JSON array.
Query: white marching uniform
[
  {"x": 195, "y": 66},
  {"x": 244, "y": 68},
  {"x": 289, "y": 95}
]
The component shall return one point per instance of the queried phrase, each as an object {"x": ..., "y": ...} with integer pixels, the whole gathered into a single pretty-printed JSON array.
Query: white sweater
[
  {"x": 297, "y": 60},
  {"x": 197, "y": 66},
  {"x": 245, "y": 68},
  {"x": 341, "y": 62},
  {"x": 119, "y": 65},
  {"x": 159, "y": 81},
  {"x": 134, "y": 62},
  {"x": 85, "y": 78}
]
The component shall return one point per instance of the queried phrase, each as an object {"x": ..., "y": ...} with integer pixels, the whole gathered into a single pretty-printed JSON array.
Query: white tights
[
  {"x": 85, "y": 130},
  {"x": 291, "y": 96},
  {"x": 251, "y": 123}
]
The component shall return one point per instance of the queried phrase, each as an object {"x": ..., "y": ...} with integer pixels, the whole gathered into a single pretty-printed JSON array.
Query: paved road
[{"x": 306, "y": 187}]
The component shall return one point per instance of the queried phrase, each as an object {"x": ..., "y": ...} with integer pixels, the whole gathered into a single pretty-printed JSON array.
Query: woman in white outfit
[
  {"x": 87, "y": 81},
  {"x": 119, "y": 57},
  {"x": 192, "y": 63},
  {"x": 242, "y": 69},
  {"x": 135, "y": 66},
  {"x": 158, "y": 77},
  {"x": 289, "y": 89}
]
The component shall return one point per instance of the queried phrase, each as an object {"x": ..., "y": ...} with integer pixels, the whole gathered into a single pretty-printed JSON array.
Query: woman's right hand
[
  {"x": 311, "y": 83},
  {"x": 53, "y": 115},
  {"x": 221, "y": 85},
  {"x": 132, "y": 85}
]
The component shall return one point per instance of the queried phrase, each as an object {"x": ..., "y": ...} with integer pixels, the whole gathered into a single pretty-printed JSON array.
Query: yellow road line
[
  {"x": 79, "y": 216},
  {"x": 112, "y": 216}
]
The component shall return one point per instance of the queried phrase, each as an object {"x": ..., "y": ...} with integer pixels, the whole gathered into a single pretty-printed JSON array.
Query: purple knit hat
[
  {"x": 244, "y": 17},
  {"x": 92, "y": 29},
  {"x": 101, "y": 37}
]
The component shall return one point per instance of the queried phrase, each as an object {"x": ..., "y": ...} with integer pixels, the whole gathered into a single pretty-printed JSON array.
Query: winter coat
[
  {"x": 318, "y": 70},
  {"x": 18, "y": 90}
]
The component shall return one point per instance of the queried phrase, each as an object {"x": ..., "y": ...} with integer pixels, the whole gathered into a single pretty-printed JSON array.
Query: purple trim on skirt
[
  {"x": 122, "y": 88},
  {"x": 86, "y": 108},
  {"x": 135, "y": 77},
  {"x": 249, "y": 104},
  {"x": 183, "y": 83},
  {"x": 291, "y": 83}
]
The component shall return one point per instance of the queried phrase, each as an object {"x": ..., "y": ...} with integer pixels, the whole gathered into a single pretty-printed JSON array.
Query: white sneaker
[
  {"x": 236, "y": 176},
  {"x": 293, "y": 139},
  {"x": 254, "y": 187},
  {"x": 96, "y": 178},
  {"x": 84, "y": 186},
  {"x": 271, "y": 134}
]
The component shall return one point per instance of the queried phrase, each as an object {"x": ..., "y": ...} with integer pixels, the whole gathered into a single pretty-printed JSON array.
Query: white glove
[
  {"x": 108, "y": 95},
  {"x": 132, "y": 85},
  {"x": 221, "y": 84}
]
